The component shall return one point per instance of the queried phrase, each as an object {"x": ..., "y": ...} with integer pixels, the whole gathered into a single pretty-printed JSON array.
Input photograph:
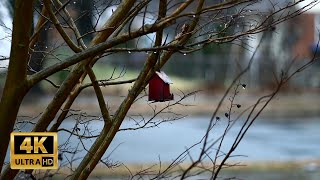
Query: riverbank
[
  {"x": 283, "y": 106},
  {"x": 293, "y": 170}
]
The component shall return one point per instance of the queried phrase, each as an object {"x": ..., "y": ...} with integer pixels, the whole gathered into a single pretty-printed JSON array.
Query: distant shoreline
[
  {"x": 281, "y": 107},
  {"x": 244, "y": 169}
]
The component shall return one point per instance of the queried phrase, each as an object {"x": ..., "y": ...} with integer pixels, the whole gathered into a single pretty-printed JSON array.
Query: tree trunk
[{"x": 16, "y": 85}]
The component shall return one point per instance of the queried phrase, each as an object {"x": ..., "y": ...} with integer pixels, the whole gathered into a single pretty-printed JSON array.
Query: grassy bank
[
  {"x": 299, "y": 170},
  {"x": 201, "y": 104}
]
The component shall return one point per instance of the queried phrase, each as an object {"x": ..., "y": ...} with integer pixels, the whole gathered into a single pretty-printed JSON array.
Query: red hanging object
[{"x": 159, "y": 87}]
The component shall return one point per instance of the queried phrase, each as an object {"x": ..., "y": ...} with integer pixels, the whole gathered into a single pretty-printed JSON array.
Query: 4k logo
[{"x": 34, "y": 150}]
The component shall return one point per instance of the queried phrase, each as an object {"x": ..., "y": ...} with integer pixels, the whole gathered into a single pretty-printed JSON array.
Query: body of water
[{"x": 266, "y": 140}]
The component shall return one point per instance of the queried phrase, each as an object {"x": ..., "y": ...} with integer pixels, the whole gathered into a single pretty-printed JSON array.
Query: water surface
[{"x": 265, "y": 141}]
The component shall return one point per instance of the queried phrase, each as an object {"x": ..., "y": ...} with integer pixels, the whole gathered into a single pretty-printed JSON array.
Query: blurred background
[{"x": 283, "y": 143}]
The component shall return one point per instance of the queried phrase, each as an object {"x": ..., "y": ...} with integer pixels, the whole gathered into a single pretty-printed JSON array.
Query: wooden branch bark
[
  {"x": 94, "y": 50},
  {"x": 74, "y": 79},
  {"x": 41, "y": 22},
  {"x": 90, "y": 162},
  {"x": 133, "y": 14},
  {"x": 62, "y": 32},
  {"x": 102, "y": 104},
  {"x": 73, "y": 26},
  {"x": 16, "y": 85}
]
